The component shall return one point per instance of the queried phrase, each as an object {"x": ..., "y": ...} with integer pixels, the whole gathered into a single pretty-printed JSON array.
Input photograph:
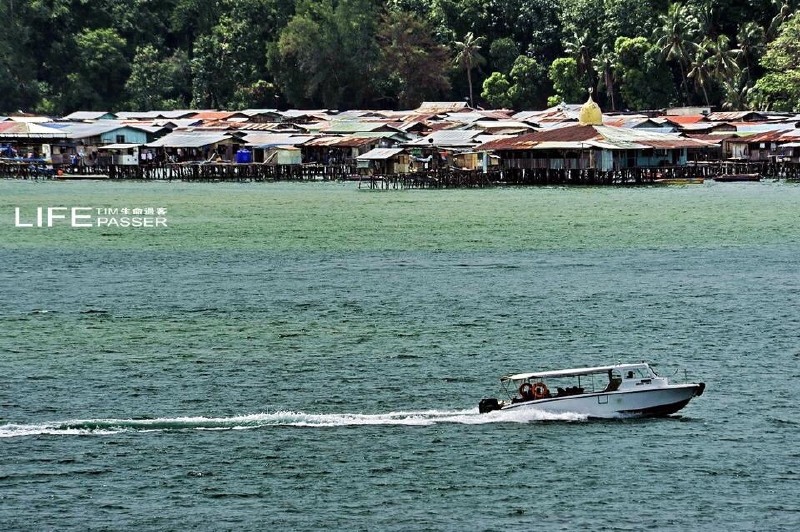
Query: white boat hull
[{"x": 656, "y": 401}]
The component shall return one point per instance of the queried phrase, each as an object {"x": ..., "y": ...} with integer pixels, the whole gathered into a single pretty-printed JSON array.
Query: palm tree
[
  {"x": 700, "y": 71},
  {"x": 675, "y": 39},
  {"x": 721, "y": 59},
  {"x": 468, "y": 57},
  {"x": 752, "y": 43},
  {"x": 737, "y": 91},
  {"x": 604, "y": 64},
  {"x": 578, "y": 48}
]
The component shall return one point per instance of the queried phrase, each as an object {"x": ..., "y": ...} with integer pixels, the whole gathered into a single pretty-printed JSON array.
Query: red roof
[
  {"x": 684, "y": 119},
  {"x": 767, "y": 136},
  {"x": 214, "y": 115}
]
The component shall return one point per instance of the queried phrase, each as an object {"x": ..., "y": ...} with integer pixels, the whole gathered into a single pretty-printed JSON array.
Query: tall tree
[
  {"x": 779, "y": 89},
  {"x": 701, "y": 73},
  {"x": 102, "y": 70},
  {"x": 503, "y": 52},
  {"x": 751, "y": 40},
  {"x": 577, "y": 46},
  {"x": 675, "y": 40},
  {"x": 495, "y": 90},
  {"x": 156, "y": 82},
  {"x": 412, "y": 58},
  {"x": 563, "y": 73},
  {"x": 604, "y": 65},
  {"x": 468, "y": 57},
  {"x": 721, "y": 58},
  {"x": 643, "y": 79},
  {"x": 17, "y": 75},
  {"x": 528, "y": 83},
  {"x": 327, "y": 54},
  {"x": 736, "y": 91}
]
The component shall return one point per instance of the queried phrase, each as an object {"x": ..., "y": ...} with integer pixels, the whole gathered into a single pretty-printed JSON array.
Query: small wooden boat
[
  {"x": 679, "y": 181},
  {"x": 730, "y": 178}
]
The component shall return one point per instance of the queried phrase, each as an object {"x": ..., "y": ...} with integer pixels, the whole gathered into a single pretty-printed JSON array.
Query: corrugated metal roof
[
  {"x": 31, "y": 130},
  {"x": 353, "y": 126},
  {"x": 82, "y": 130},
  {"x": 277, "y": 139},
  {"x": 502, "y": 124},
  {"x": 120, "y": 146},
  {"x": 606, "y": 137},
  {"x": 217, "y": 115},
  {"x": 177, "y": 114},
  {"x": 574, "y": 133},
  {"x": 685, "y": 119},
  {"x": 257, "y": 112},
  {"x": 763, "y": 128},
  {"x": 349, "y": 141},
  {"x": 728, "y": 116},
  {"x": 188, "y": 140},
  {"x": 442, "y": 107},
  {"x": 448, "y": 137},
  {"x": 466, "y": 117},
  {"x": 88, "y": 115},
  {"x": 380, "y": 154}
]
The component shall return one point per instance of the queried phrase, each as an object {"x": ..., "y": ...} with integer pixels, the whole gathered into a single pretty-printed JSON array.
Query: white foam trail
[{"x": 280, "y": 419}]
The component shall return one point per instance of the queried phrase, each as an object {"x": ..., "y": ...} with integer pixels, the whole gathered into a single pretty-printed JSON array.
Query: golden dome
[{"x": 590, "y": 114}]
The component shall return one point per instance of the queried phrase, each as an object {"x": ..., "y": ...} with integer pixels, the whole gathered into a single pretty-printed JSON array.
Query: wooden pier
[
  {"x": 585, "y": 177},
  {"x": 440, "y": 178}
]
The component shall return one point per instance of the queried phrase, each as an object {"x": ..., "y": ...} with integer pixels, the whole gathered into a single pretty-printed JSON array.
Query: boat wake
[{"x": 100, "y": 427}]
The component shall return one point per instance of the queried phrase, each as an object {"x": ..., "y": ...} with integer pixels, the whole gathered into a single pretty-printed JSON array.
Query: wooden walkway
[
  {"x": 443, "y": 178},
  {"x": 589, "y": 177}
]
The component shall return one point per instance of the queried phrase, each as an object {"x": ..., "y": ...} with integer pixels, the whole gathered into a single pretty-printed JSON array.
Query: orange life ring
[
  {"x": 526, "y": 390},
  {"x": 540, "y": 391}
]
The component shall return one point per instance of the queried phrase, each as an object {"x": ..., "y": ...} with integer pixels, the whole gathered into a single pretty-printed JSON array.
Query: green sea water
[
  {"x": 340, "y": 217},
  {"x": 298, "y": 355}
]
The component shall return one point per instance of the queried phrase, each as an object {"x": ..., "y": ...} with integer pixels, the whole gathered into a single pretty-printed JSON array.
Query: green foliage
[
  {"x": 503, "y": 52},
  {"x": 468, "y": 56},
  {"x": 101, "y": 70},
  {"x": 327, "y": 54},
  {"x": 62, "y": 55},
  {"x": 566, "y": 82},
  {"x": 643, "y": 80},
  {"x": 779, "y": 89},
  {"x": 157, "y": 83},
  {"x": 528, "y": 87},
  {"x": 412, "y": 59},
  {"x": 17, "y": 77},
  {"x": 523, "y": 88},
  {"x": 495, "y": 91}
]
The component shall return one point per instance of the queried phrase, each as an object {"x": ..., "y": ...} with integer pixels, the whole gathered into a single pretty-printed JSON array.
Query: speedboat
[{"x": 621, "y": 390}]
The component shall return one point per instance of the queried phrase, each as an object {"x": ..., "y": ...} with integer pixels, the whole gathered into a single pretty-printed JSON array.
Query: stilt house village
[{"x": 438, "y": 144}]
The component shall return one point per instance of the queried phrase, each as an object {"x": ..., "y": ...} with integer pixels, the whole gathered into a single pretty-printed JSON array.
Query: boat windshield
[{"x": 572, "y": 382}]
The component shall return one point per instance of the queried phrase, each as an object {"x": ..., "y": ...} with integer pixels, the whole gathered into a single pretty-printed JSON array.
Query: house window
[{"x": 120, "y": 139}]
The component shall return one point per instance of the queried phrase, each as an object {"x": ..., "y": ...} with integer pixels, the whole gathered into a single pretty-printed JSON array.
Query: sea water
[{"x": 290, "y": 356}]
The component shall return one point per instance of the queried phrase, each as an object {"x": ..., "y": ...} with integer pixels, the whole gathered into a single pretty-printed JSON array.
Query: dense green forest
[{"x": 58, "y": 56}]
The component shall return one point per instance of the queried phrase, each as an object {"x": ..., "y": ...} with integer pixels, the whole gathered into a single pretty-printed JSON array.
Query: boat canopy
[{"x": 575, "y": 372}]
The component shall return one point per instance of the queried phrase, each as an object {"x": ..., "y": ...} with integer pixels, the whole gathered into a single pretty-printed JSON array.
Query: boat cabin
[{"x": 562, "y": 383}]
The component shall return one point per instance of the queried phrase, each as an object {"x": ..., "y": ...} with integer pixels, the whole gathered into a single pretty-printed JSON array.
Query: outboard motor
[{"x": 488, "y": 404}]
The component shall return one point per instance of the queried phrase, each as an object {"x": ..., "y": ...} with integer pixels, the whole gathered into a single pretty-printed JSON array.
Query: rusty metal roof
[
  {"x": 606, "y": 137},
  {"x": 529, "y": 140}
]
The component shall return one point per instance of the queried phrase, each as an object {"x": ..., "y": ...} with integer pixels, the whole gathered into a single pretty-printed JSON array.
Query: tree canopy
[{"x": 59, "y": 56}]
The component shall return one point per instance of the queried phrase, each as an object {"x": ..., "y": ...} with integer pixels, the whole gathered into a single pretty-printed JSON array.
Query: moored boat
[
  {"x": 621, "y": 390},
  {"x": 730, "y": 178},
  {"x": 679, "y": 181}
]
